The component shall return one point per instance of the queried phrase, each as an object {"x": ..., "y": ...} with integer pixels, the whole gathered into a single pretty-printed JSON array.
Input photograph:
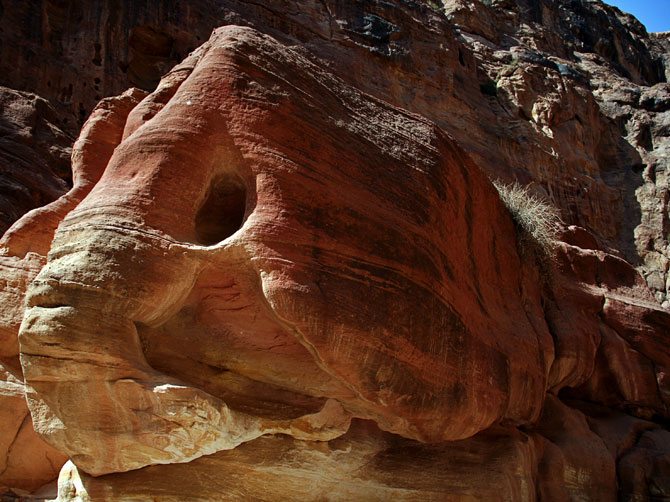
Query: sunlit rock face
[
  {"x": 266, "y": 234},
  {"x": 27, "y": 462},
  {"x": 264, "y": 275}
]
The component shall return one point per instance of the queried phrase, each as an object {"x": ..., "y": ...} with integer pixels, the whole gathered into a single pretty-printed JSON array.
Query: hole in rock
[{"x": 222, "y": 212}]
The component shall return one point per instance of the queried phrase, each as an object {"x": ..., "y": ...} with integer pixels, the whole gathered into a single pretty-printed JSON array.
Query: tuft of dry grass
[{"x": 537, "y": 220}]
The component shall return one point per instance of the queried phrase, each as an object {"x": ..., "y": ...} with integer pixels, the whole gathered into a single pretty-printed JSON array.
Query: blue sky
[{"x": 653, "y": 14}]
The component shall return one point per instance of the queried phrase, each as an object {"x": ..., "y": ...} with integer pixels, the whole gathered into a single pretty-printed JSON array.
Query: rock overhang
[{"x": 379, "y": 258}]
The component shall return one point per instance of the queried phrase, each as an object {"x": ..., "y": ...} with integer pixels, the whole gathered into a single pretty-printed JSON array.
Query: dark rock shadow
[{"x": 621, "y": 168}]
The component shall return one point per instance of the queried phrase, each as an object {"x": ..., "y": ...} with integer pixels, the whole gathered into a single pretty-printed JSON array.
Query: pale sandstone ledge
[{"x": 286, "y": 289}]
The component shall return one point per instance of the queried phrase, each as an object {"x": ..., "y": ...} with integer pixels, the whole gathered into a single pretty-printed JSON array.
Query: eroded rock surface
[
  {"x": 566, "y": 95},
  {"x": 27, "y": 462},
  {"x": 364, "y": 464},
  {"x": 34, "y": 155},
  {"x": 279, "y": 264},
  {"x": 276, "y": 304}
]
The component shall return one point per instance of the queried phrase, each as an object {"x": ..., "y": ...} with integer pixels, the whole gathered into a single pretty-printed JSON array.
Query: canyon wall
[{"x": 279, "y": 259}]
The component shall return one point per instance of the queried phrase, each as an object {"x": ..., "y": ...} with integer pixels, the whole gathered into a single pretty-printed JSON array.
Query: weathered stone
[
  {"x": 609, "y": 333},
  {"x": 26, "y": 461},
  {"x": 23, "y": 248},
  {"x": 364, "y": 464},
  {"x": 272, "y": 250},
  {"x": 34, "y": 155},
  {"x": 122, "y": 270},
  {"x": 575, "y": 463},
  {"x": 29, "y": 462},
  {"x": 644, "y": 471},
  {"x": 558, "y": 124}
]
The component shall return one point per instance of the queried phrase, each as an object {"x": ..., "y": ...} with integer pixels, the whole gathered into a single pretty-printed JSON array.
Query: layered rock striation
[
  {"x": 568, "y": 96},
  {"x": 287, "y": 266},
  {"x": 254, "y": 280}
]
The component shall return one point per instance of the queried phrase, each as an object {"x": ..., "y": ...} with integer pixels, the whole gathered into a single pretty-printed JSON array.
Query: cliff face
[
  {"x": 289, "y": 257},
  {"x": 34, "y": 154},
  {"x": 569, "y": 96}
]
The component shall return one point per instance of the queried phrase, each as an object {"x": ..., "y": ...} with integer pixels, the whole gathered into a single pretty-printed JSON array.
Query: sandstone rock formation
[
  {"x": 27, "y": 461},
  {"x": 276, "y": 304},
  {"x": 552, "y": 92},
  {"x": 34, "y": 155},
  {"x": 286, "y": 266}
]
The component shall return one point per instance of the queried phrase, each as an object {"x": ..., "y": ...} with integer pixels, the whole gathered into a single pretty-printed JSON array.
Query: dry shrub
[{"x": 537, "y": 220}]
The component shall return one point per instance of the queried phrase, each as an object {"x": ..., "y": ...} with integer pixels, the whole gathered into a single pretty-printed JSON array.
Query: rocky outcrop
[
  {"x": 568, "y": 79},
  {"x": 541, "y": 92},
  {"x": 75, "y": 54},
  {"x": 364, "y": 464},
  {"x": 250, "y": 245},
  {"x": 27, "y": 462},
  {"x": 286, "y": 266}
]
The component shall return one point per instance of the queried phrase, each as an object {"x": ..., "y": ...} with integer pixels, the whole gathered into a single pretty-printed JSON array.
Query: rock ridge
[{"x": 283, "y": 263}]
